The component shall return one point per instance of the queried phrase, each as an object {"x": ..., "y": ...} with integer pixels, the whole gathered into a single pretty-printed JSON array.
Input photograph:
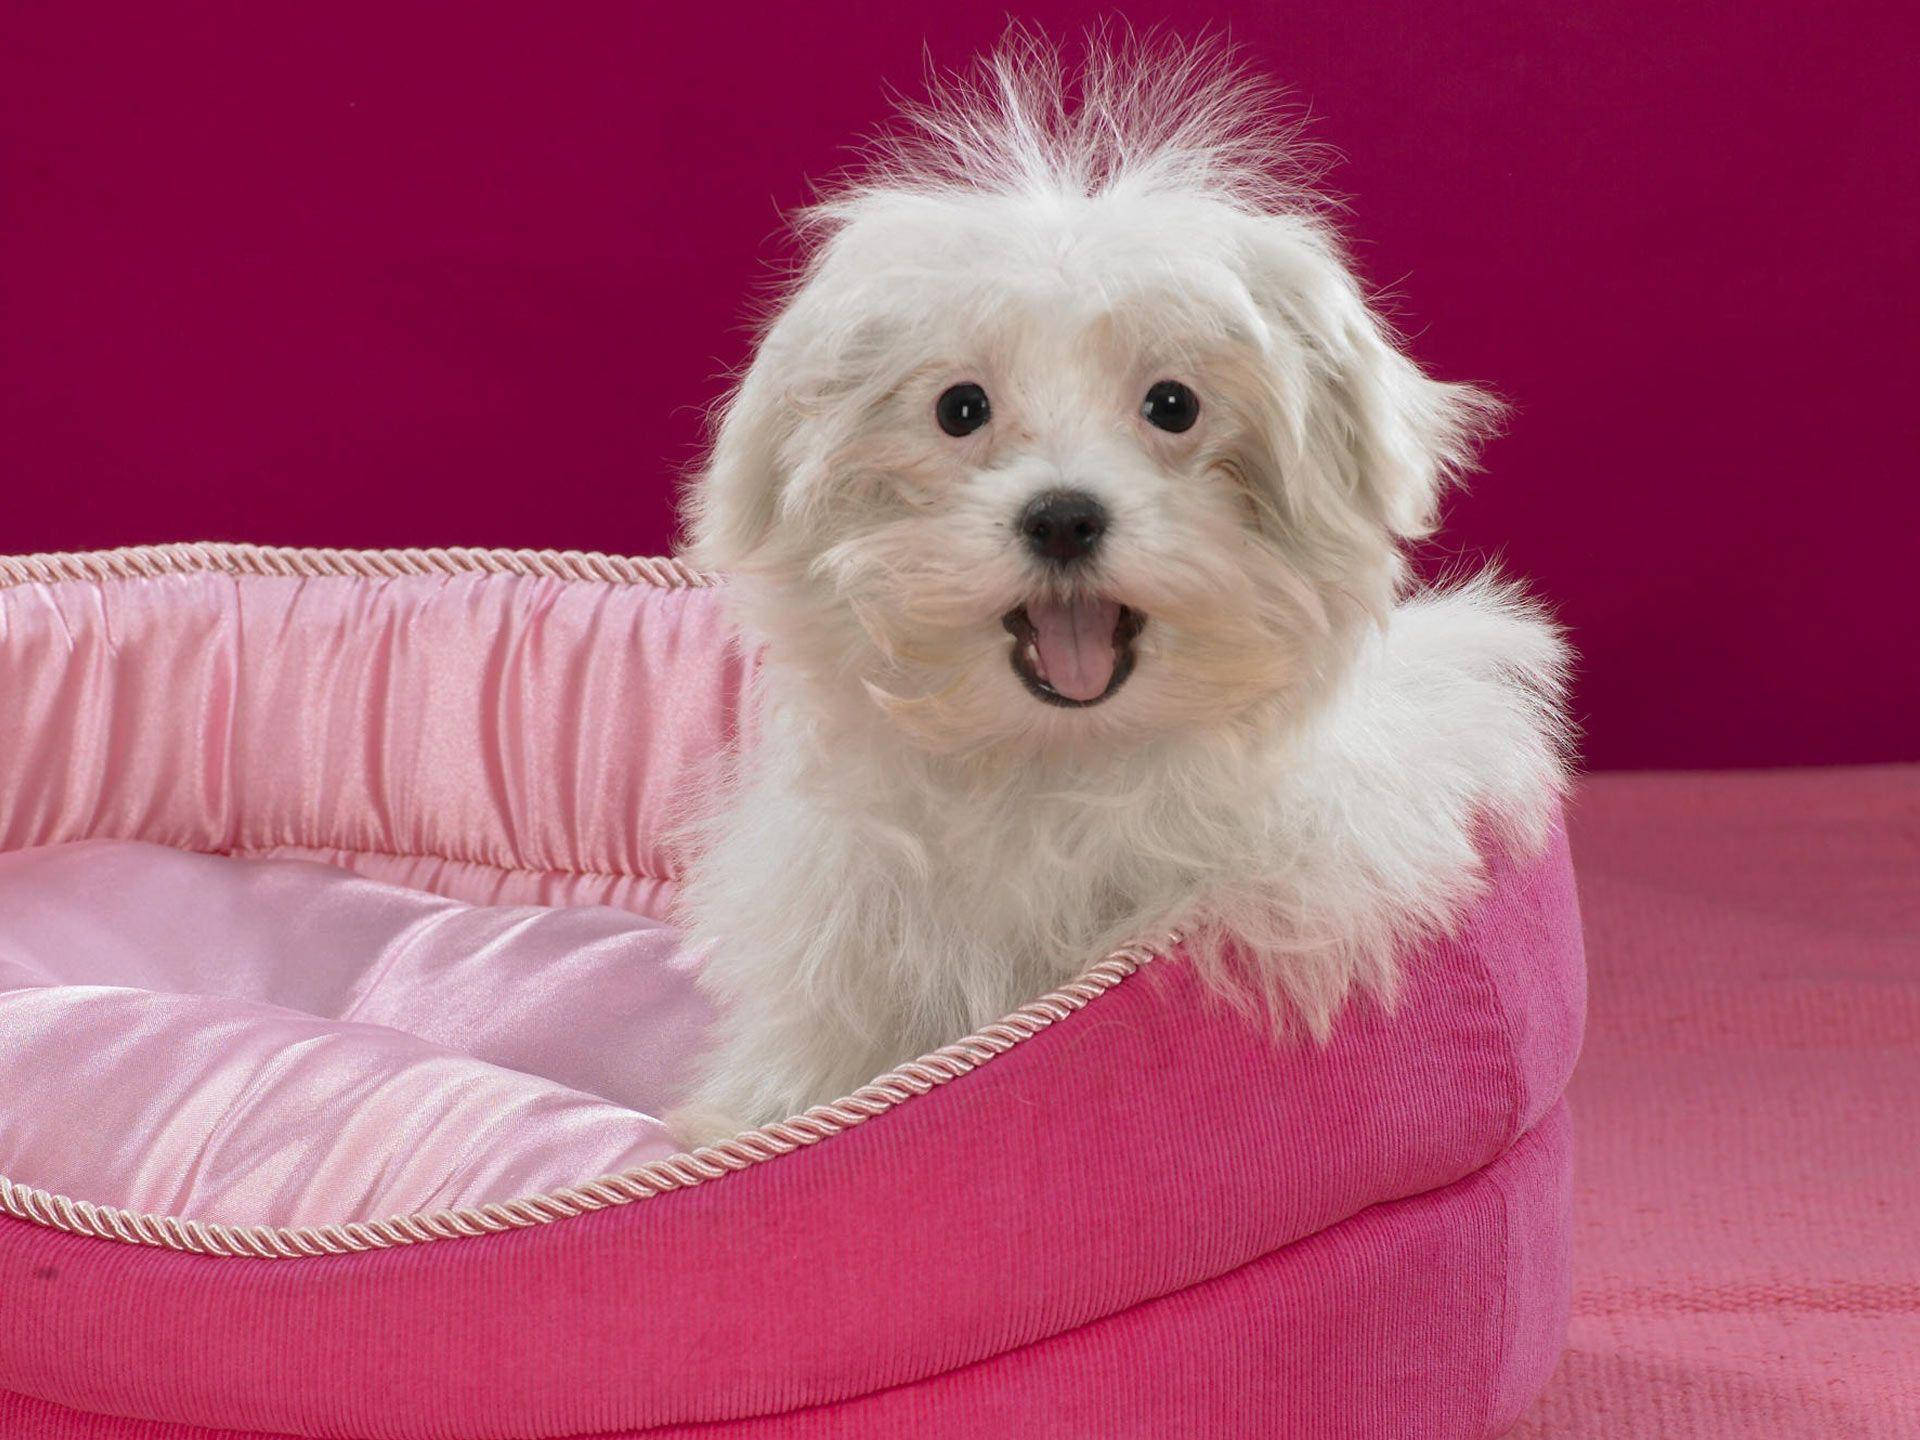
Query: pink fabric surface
[
  {"x": 1022, "y": 1202},
  {"x": 496, "y": 738},
  {"x": 1149, "y": 1161},
  {"x": 500, "y": 740},
  {"x": 262, "y": 1042},
  {"x": 1330, "y": 1339},
  {"x": 1747, "y": 1237}
]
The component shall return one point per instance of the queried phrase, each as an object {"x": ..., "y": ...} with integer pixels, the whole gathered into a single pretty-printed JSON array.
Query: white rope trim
[
  {"x": 147, "y": 561},
  {"x": 676, "y": 1172}
]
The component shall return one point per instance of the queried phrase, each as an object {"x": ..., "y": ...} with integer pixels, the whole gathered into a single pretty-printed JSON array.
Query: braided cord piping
[
  {"x": 676, "y": 1172},
  {"x": 148, "y": 561}
]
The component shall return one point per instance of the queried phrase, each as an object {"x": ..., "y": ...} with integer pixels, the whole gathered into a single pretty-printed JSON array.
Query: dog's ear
[
  {"x": 1364, "y": 427},
  {"x": 818, "y": 369},
  {"x": 732, "y": 505}
]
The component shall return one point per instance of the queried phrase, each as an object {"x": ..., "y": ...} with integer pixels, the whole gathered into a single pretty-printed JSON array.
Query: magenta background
[{"x": 397, "y": 275}]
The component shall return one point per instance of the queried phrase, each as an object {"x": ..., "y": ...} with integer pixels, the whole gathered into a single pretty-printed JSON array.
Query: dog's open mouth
[{"x": 1073, "y": 652}]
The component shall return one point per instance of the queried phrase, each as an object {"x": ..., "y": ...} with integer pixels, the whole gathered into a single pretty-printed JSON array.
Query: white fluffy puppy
[{"x": 1065, "y": 495}]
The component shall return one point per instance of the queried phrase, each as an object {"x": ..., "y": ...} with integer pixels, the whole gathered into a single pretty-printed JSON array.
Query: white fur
[{"x": 1300, "y": 761}]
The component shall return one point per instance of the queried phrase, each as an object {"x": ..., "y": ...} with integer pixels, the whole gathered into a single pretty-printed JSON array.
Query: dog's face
[{"x": 1039, "y": 470}]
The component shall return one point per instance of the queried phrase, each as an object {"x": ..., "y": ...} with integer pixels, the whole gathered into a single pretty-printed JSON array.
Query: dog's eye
[
  {"x": 962, "y": 409},
  {"x": 1171, "y": 406}
]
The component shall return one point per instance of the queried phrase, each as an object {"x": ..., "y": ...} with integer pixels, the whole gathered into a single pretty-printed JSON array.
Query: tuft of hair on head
[
  {"x": 1130, "y": 114},
  {"x": 1128, "y": 117}
]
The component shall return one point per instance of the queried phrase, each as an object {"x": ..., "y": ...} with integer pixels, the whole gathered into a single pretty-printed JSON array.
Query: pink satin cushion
[
  {"x": 256, "y": 1041},
  {"x": 283, "y": 1043}
]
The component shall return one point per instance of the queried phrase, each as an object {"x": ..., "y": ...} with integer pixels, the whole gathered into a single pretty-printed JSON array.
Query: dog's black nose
[{"x": 1063, "y": 525}]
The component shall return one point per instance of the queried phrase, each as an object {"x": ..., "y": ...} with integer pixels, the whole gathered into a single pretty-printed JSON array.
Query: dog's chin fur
[{"x": 1299, "y": 768}]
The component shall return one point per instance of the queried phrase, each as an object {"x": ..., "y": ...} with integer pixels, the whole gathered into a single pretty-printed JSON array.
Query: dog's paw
[{"x": 697, "y": 1125}]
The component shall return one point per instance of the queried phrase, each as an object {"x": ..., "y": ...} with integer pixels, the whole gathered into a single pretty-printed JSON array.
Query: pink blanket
[{"x": 1747, "y": 1186}]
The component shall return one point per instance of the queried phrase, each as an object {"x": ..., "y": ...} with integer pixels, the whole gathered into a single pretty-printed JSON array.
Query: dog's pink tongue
[{"x": 1075, "y": 641}]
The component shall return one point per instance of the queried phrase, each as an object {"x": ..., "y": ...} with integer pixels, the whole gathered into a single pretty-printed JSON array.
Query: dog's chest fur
[
  {"x": 862, "y": 903},
  {"x": 950, "y": 894}
]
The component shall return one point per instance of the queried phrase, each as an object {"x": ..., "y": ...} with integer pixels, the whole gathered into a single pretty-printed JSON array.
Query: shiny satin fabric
[
  {"x": 473, "y": 998},
  {"x": 280, "y": 1042},
  {"x": 498, "y": 737}
]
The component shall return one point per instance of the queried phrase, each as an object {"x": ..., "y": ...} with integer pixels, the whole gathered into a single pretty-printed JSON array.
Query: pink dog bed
[{"x": 306, "y": 1145}]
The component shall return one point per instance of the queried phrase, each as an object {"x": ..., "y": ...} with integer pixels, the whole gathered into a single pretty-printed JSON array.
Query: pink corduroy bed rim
[{"x": 1145, "y": 1219}]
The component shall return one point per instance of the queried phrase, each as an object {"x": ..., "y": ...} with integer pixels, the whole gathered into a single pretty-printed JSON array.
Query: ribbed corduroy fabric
[
  {"x": 1332, "y": 1338},
  {"x": 1149, "y": 1220}
]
